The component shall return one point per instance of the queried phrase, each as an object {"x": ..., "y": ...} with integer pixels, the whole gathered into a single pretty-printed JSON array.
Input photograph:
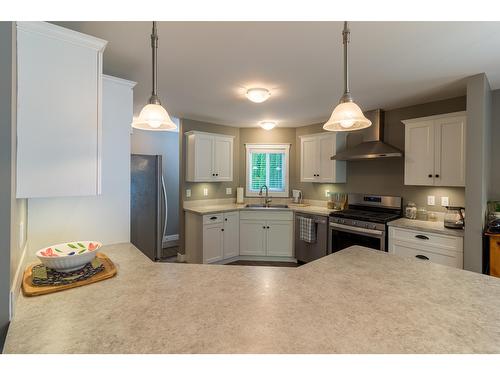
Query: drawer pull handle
[
  {"x": 423, "y": 257},
  {"x": 421, "y": 237},
  {"x": 213, "y": 218}
]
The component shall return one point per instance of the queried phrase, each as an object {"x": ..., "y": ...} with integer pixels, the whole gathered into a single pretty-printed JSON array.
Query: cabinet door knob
[
  {"x": 267, "y": 227},
  {"x": 222, "y": 229},
  {"x": 430, "y": 176},
  {"x": 264, "y": 227},
  {"x": 423, "y": 257},
  {"x": 421, "y": 237},
  {"x": 437, "y": 176},
  {"x": 225, "y": 219}
]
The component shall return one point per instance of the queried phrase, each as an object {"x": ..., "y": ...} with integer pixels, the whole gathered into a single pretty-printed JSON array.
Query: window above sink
[{"x": 267, "y": 164}]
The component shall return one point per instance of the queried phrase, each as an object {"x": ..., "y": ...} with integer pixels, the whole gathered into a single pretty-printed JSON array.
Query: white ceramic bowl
[{"x": 69, "y": 256}]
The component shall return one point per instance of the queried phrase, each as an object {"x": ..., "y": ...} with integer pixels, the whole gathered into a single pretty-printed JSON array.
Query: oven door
[{"x": 343, "y": 236}]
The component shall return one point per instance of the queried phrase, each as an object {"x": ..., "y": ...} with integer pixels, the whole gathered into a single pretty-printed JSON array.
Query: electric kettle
[{"x": 454, "y": 217}]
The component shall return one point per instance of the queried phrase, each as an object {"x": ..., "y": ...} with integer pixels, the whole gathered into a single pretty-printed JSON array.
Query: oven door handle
[{"x": 348, "y": 228}]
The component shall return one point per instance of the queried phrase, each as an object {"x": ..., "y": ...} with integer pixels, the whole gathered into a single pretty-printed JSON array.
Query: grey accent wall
[
  {"x": 276, "y": 135},
  {"x": 494, "y": 193},
  {"x": 477, "y": 180},
  {"x": 167, "y": 145},
  {"x": 386, "y": 176},
  {"x": 5, "y": 171}
]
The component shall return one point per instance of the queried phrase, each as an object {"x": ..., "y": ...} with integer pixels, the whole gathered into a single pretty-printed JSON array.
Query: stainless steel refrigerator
[{"x": 148, "y": 205}]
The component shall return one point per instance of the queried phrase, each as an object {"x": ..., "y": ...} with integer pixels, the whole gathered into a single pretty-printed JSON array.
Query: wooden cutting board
[{"x": 29, "y": 290}]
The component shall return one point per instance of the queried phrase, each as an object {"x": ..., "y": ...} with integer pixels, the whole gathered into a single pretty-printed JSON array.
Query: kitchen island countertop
[{"x": 354, "y": 301}]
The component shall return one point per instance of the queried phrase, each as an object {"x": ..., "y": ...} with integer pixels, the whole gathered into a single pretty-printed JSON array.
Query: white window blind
[{"x": 267, "y": 165}]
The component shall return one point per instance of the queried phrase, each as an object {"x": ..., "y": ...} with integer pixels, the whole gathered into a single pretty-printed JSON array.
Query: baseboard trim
[{"x": 15, "y": 289}]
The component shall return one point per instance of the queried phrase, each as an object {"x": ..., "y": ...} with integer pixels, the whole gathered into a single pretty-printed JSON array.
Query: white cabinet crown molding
[
  {"x": 434, "y": 117},
  {"x": 191, "y": 132},
  {"x": 61, "y": 33},
  {"x": 120, "y": 81}
]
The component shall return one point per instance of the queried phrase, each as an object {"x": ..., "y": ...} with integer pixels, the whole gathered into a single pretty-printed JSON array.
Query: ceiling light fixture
[
  {"x": 267, "y": 125},
  {"x": 258, "y": 95},
  {"x": 153, "y": 116},
  {"x": 347, "y": 115}
]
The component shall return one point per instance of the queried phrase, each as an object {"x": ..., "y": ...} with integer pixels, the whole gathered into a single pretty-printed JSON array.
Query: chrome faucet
[{"x": 267, "y": 199}]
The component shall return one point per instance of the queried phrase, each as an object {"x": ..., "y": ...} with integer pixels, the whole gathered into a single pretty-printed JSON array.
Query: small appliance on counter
[
  {"x": 454, "y": 217},
  {"x": 494, "y": 226},
  {"x": 297, "y": 196},
  {"x": 337, "y": 201},
  {"x": 411, "y": 211}
]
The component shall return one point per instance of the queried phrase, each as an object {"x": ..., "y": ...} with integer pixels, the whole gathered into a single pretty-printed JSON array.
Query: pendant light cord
[
  {"x": 154, "y": 49},
  {"x": 346, "y": 36}
]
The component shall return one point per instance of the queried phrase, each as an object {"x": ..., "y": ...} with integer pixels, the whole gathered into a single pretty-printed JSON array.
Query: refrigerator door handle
[{"x": 164, "y": 191}]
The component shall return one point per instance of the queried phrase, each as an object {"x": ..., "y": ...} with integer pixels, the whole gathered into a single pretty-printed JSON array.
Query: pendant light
[
  {"x": 153, "y": 116},
  {"x": 347, "y": 115}
]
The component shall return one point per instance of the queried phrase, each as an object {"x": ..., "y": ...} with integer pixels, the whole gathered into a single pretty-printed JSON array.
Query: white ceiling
[{"x": 205, "y": 67}]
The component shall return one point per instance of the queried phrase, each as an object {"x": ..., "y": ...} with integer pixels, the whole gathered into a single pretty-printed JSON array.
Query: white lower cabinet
[
  {"x": 266, "y": 233},
  {"x": 220, "y": 236},
  {"x": 426, "y": 246}
]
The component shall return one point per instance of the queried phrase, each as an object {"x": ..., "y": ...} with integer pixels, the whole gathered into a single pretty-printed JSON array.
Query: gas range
[{"x": 364, "y": 221}]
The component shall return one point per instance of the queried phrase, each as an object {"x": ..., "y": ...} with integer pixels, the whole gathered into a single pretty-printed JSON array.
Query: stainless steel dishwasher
[{"x": 307, "y": 252}]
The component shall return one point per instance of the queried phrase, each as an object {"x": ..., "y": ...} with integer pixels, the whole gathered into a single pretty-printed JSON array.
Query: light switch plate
[
  {"x": 431, "y": 200},
  {"x": 205, "y": 192},
  {"x": 327, "y": 193},
  {"x": 188, "y": 193},
  {"x": 229, "y": 191},
  {"x": 445, "y": 201}
]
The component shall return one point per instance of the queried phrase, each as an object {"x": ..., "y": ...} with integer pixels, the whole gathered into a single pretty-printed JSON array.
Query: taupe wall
[
  {"x": 386, "y": 176},
  {"x": 494, "y": 193},
  {"x": 215, "y": 189},
  {"x": 479, "y": 101}
]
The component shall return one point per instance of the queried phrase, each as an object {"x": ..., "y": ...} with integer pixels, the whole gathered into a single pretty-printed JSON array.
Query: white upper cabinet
[
  {"x": 315, "y": 153},
  {"x": 209, "y": 157},
  {"x": 435, "y": 150},
  {"x": 59, "y": 79}
]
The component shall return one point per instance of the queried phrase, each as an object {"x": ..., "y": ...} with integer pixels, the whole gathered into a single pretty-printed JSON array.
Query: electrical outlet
[
  {"x": 327, "y": 193},
  {"x": 431, "y": 200},
  {"x": 188, "y": 193},
  {"x": 445, "y": 201},
  {"x": 229, "y": 191},
  {"x": 205, "y": 192}
]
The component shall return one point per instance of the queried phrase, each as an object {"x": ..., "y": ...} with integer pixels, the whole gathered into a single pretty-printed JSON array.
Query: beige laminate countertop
[
  {"x": 354, "y": 301},
  {"x": 427, "y": 226},
  {"x": 212, "y": 209}
]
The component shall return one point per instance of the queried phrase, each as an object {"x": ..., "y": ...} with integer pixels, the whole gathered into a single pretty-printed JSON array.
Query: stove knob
[
  {"x": 374, "y": 226},
  {"x": 354, "y": 223}
]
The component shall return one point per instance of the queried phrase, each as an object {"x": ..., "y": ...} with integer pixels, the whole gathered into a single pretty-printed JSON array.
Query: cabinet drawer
[
  {"x": 451, "y": 259},
  {"x": 426, "y": 239},
  {"x": 212, "y": 218},
  {"x": 266, "y": 215}
]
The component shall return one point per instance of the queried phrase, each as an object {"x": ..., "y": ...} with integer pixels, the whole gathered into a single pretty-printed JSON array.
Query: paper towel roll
[{"x": 239, "y": 195}]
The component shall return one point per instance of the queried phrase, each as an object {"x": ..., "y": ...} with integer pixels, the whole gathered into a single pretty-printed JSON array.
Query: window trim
[{"x": 283, "y": 147}]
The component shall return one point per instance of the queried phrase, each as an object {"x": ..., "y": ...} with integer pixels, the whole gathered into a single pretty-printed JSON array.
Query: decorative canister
[{"x": 411, "y": 210}]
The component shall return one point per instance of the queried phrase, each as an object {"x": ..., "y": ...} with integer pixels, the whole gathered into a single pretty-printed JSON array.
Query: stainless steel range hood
[{"x": 372, "y": 146}]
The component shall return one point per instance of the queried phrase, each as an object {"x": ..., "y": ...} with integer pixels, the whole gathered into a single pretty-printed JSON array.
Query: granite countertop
[
  {"x": 212, "y": 209},
  {"x": 354, "y": 301},
  {"x": 426, "y": 226}
]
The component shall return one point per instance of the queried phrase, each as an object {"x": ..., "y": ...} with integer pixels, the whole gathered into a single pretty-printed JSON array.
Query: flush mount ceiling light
[
  {"x": 258, "y": 95},
  {"x": 153, "y": 116},
  {"x": 267, "y": 125},
  {"x": 347, "y": 115}
]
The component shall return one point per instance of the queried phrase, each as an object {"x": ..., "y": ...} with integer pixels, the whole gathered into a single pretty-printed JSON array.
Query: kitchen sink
[{"x": 266, "y": 207}]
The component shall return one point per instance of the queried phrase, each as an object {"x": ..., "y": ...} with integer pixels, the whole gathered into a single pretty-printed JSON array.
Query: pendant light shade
[
  {"x": 153, "y": 116},
  {"x": 347, "y": 116}
]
